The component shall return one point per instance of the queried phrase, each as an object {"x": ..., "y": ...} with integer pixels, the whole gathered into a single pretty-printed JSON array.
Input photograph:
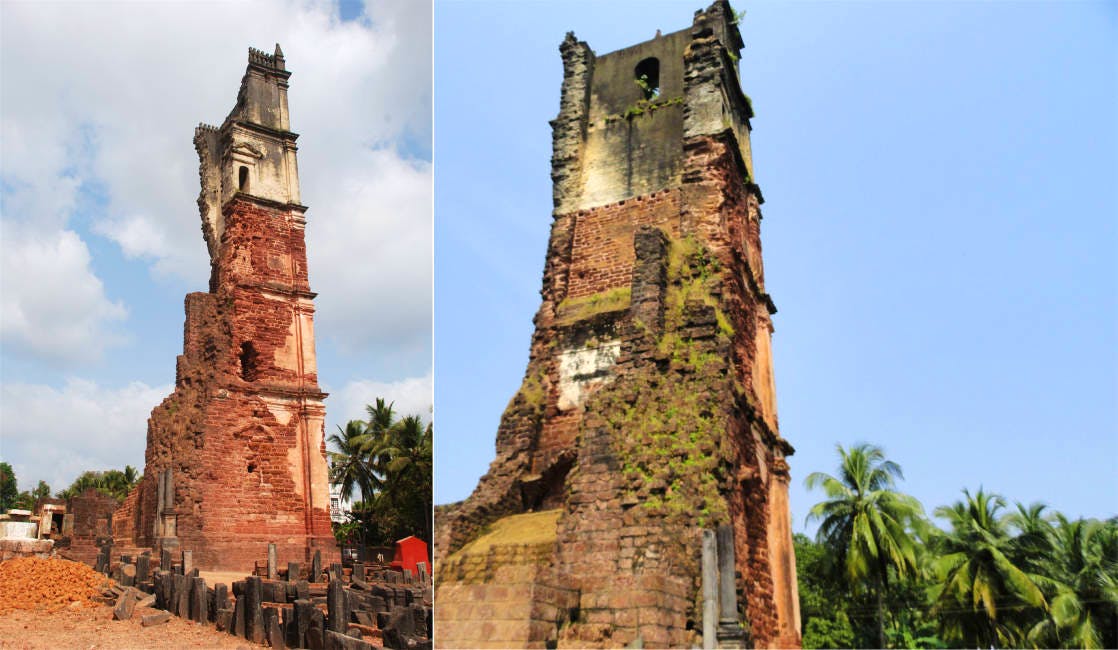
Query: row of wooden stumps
[
  {"x": 376, "y": 605},
  {"x": 722, "y": 626}
]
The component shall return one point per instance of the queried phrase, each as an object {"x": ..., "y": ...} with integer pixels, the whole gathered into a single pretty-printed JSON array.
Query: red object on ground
[{"x": 409, "y": 551}]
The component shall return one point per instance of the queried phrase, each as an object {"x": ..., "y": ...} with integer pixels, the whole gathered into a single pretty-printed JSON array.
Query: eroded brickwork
[
  {"x": 648, "y": 409},
  {"x": 236, "y": 454},
  {"x": 602, "y": 246}
]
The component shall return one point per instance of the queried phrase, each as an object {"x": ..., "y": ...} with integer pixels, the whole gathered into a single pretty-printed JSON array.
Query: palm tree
[
  {"x": 1081, "y": 580},
  {"x": 1033, "y": 544},
  {"x": 983, "y": 598},
  {"x": 865, "y": 523},
  {"x": 408, "y": 471},
  {"x": 389, "y": 460},
  {"x": 349, "y": 465},
  {"x": 131, "y": 475},
  {"x": 382, "y": 417},
  {"x": 408, "y": 446}
]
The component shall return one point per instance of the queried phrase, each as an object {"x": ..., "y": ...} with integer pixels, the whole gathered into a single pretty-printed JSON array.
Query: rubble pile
[{"x": 36, "y": 583}]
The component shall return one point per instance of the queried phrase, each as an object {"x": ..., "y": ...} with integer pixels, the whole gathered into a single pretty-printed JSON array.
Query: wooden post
[
  {"x": 335, "y": 607},
  {"x": 199, "y": 608},
  {"x": 167, "y": 589},
  {"x": 273, "y": 628},
  {"x": 316, "y": 566},
  {"x": 143, "y": 568},
  {"x": 128, "y": 575},
  {"x": 221, "y": 596},
  {"x": 302, "y": 622},
  {"x": 182, "y": 596},
  {"x": 316, "y": 632},
  {"x": 254, "y": 615},
  {"x": 238, "y": 626}
]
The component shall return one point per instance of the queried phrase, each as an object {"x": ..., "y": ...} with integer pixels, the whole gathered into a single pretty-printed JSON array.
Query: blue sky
[
  {"x": 940, "y": 233},
  {"x": 100, "y": 236}
]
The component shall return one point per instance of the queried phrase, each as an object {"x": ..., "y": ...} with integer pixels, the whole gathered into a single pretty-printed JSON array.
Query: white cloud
[
  {"x": 98, "y": 105},
  {"x": 113, "y": 95},
  {"x": 370, "y": 254},
  {"x": 59, "y": 433},
  {"x": 64, "y": 313},
  {"x": 410, "y": 396}
]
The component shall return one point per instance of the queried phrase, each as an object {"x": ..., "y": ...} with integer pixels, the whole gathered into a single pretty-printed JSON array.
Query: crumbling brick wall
[
  {"x": 93, "y": 516},
  {"x": 236, "y": 455},
  {"x": 647, "y": 411}
]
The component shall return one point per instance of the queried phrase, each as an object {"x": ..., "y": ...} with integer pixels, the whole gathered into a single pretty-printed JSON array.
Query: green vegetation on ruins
[
  {"x": 572, "y": 310},
  {"x": 643, "y": 107},
  {"x": 670, "y": 428},
  {"x": 692, "y": 274},
  {"x": 525, "y": 528},
  {"x": 671, "y": 442}
]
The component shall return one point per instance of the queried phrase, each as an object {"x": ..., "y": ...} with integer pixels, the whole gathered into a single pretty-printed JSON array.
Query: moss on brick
[
  {"x": 670, "y": 441},
  {"x": 528, "y": 528},
  {"x": 670, "y": 427},
  {"x": 572, "y": 310},
  {"x": 532, "y": 391},
  {"x": 692, "y": 275}
]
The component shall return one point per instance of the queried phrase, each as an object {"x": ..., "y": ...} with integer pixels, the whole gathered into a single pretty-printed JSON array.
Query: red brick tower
[
  {"x": 236, "y": 456},
  {"x": 648, "y": 411}
]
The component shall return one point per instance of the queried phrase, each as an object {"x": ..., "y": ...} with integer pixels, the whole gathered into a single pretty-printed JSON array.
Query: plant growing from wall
[
  {"x": 571, "y": 310},
  {"x": 670, "y": 430}
]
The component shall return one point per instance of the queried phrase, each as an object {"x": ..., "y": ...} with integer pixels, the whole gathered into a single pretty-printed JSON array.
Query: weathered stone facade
[
  {"x": 647, "y": 411},
  {"x": 236, "y": 456}
]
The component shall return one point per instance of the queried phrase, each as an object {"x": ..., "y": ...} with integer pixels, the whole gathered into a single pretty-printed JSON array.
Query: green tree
[
  {"x": 349, "y": 465},
  {"x": 405, "y": 447},
  {"x": 1081, "y": 582},
  {"x": 41, "y": 491},
  {"x": 865, "y": 523},
  {"x": 824, "y": 601},
  {"x": 114, "y": 483},
  {"x": 982, "y": 597},
  {"x": 86, "y": 480},
  {"x": 382, "y": 417},
  {"x": 24, "y": 501},
  {"x": 8, "y": 488},
  {"x": 389, "y": 462}
]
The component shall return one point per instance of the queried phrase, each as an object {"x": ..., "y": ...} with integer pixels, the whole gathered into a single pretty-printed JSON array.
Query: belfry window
[
  {"x": 647, "y": 77},
  {"x": 242, "y": 179}
]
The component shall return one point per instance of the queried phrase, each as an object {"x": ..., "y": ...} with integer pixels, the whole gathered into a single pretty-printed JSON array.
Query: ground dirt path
[{"x": 93, "y": 627}]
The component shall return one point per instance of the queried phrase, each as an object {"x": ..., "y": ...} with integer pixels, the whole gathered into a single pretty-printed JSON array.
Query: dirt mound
[{"x": 36, "y": 583}]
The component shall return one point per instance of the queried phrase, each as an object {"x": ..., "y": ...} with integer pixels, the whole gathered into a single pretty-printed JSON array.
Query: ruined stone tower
[
  {"x": 647, "y": 412},
  {"x": 236, "y": 456}
]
